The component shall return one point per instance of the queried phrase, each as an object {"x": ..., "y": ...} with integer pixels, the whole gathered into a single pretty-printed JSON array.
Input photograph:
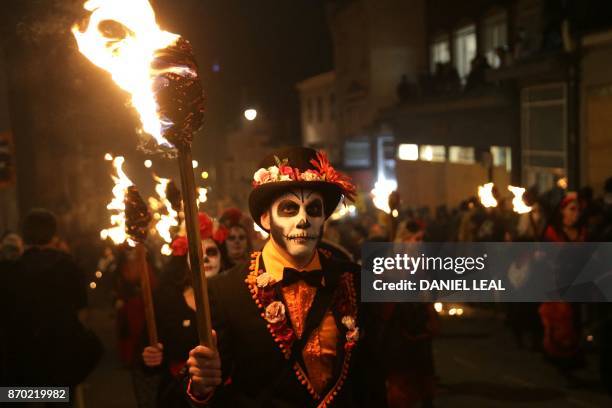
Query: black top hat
[{"x": 297, "y": 167}]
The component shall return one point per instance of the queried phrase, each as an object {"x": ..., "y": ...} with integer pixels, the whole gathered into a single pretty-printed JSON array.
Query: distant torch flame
[
  {"x": 518, "y": 205},
  {"x": 127, "y": 58},
  {"x": 486, "y": 195},
  {"x": 117, "y": 231},
  {"x": 381, "y": 192},
  {"x": 165, "y": 215}
]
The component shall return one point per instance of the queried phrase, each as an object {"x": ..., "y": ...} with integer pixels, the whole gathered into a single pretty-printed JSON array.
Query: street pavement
[{"x": 478, "y": 364}]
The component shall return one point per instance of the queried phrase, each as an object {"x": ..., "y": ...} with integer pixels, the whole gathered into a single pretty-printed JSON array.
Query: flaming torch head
[
  {"x": 487, "y": 198},
  {"x": 179, "y": 92},
  {"x": 518, "y": 204},
  {"x": 137, "y": 215},
  {"x": 157, "y": 68}
]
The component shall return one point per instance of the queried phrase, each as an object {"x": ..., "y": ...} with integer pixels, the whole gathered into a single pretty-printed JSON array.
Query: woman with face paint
[
  {"x": 289, "y": 322},
  {"x": 561, "y": 320},
  {"x": 175, "y": 310},
  {"x": 238, "y": 240}
]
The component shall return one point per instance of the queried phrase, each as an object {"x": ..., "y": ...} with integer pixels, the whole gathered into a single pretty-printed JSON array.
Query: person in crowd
[
  {"x": 51, "y": 298},
  {"x": 238, "y": 240},
  {"x": 564, "y": 226},
  {"x": 407, "y": 341},
  {"x": 11, "y": 247},
  {"x": 175, "y": 315},
  {"x": 561, "y": 320},
  {"x": 129, "y": 305},
  {"x": 130, "y": 317},
  {"x": 288, "y": 326}
]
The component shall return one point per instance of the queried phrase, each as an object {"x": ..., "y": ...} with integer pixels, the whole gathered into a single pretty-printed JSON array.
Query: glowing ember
[
  {"x": 518, "y": 205},
  {"x": 129, "y": 54},
  {"x": 117, "y": 231},
  {"x": 381, "y": 192},
  {"x": 486, "y": 195},
  {"x": 166, "y": 217}
]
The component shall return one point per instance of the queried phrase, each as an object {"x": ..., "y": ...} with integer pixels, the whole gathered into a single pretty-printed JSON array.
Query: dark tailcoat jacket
[{"x": 262, "y": 368}]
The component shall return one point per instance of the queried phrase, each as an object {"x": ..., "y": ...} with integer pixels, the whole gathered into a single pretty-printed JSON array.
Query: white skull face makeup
[
  {"x": 296, "y": 223},
  {"x": 237, "y": 243},
  {"x": 211, "y": 257}
]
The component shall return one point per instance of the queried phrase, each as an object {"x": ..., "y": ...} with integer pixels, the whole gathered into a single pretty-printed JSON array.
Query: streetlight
[{"x": 250, "y": 114}]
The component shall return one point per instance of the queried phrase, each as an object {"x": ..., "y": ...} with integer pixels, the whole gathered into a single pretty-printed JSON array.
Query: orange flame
[
  {"x": 485, "y": 193},
  {"x": 165, "y": 215},
  {"x": 128, "y": 59},
  {"x": 117, "y": 230},
  {"x": 518, "y": 205}
]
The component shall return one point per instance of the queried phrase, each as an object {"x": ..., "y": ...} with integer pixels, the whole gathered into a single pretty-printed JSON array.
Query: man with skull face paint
[{"x": 290, "y": 328}]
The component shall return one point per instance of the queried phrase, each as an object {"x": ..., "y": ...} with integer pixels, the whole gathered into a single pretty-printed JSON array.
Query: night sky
[{"x": 262, "y": 49}]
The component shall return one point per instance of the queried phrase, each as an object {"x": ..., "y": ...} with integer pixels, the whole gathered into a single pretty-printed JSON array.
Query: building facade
[{"x": 520, "y": 86}]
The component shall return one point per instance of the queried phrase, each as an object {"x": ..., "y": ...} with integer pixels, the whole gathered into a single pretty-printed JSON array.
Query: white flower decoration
[
  {"x": 260, "y": 175},
  {"x": 264, "y": 280},
  {"x": 310, "y": 175},
  {"x": 275, "y": 312},
  {"x": 273, "y": 172}
]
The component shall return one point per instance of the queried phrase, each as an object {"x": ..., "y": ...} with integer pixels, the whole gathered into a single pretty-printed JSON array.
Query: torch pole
[
  {"x": 147, "y": 297},
  {"x": 192, "y": 225}
]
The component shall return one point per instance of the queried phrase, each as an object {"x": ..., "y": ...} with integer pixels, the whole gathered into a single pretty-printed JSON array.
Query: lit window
[
  {"x": 461, "y": 154},
  {"x": 432, "y": 153},
  {"x": 465, "y": 50},
  {"x": 494, "y": 35},
  {"x": 502, "y": 156},
  {"x": 440, "y": 53},
  {"x": 408, "y": 152}
]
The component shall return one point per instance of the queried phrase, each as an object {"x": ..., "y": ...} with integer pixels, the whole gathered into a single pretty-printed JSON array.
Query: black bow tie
[{"x": 312, "y": 278}]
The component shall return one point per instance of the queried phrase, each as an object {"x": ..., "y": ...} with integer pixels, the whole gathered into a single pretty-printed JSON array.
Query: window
[
  {"x": 440, "y": 52},
  {"x": 465, "y": 50},
  {"x": 502, "y": 156},
  {"x": 461, "y": 154},
  {"x": 319, "y": 109},
  {"x": 544, "y": 134},
  {"x": 494, "y": 35},
  {"x": 432, "y": 153},
  {"x": 309, "y": 110},
  {"x": 332, "y": 106},
  {"x": 408, "y": 152},
  {"x": 357, "y": 153}
]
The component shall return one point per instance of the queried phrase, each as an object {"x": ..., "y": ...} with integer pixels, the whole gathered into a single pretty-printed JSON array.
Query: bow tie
[{"x": 312, "y": 278}]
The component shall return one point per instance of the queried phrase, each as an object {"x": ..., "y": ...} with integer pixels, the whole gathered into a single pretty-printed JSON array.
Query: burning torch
[
  {"x": 130, "y": 221},
  {"x": 137, "y": 220},
  {"x": 158, "y": 69}
]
